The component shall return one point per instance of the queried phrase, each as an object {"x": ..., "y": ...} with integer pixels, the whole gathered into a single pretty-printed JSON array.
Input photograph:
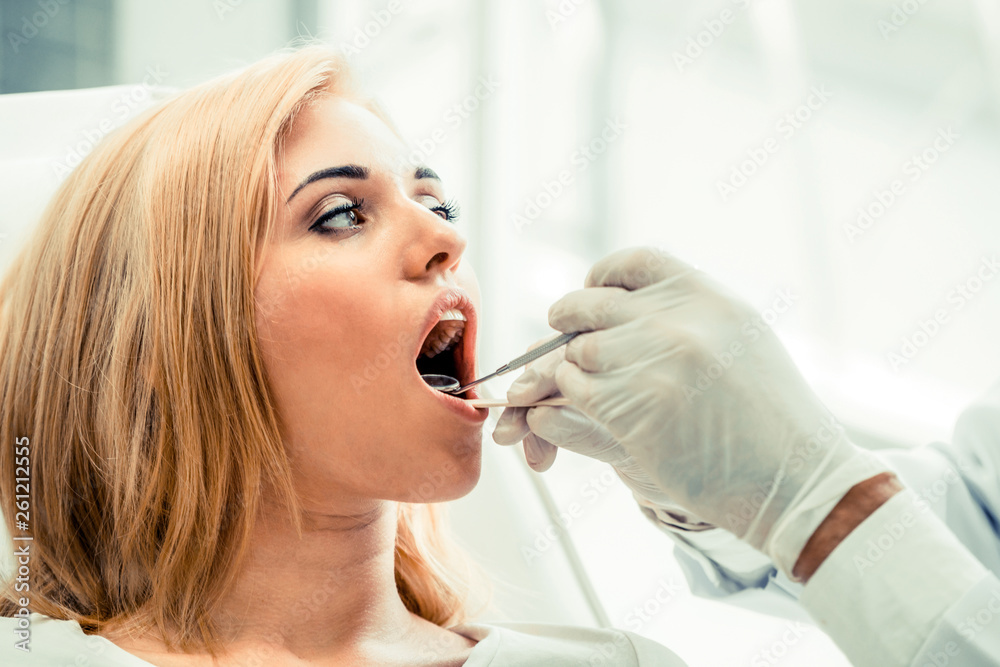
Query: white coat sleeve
[
  {"x": 959, "y": 482},
  {"x": 933, "y": 596},
  {"x": 894, "y": 582}
]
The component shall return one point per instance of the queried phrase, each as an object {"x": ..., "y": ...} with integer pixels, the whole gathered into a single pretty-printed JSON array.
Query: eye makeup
[
  {"x": 354, "y": 212},
  {"x": 450, "y": 208},
  {"x": 351, "y": 212}
]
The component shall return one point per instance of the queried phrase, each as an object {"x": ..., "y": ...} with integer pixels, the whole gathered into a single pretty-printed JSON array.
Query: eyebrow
[
  {"x": 425, "y": 172},
  {"x": 354, "y": 171},
  {"x": 347, "y": 171}
]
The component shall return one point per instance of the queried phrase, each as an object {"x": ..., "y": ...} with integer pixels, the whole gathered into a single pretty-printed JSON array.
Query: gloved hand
[
  {"x": 702, "y": 397},
  {"x": 570, "y": 429}
]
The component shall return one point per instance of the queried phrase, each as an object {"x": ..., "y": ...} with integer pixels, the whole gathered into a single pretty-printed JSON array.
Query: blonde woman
[{"x": 209, "y": 350}]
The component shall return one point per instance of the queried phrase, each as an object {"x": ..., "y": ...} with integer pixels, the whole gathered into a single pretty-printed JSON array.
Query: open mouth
[
  {"x": 448, "y": 347},
  {"x": 440, "y": 349}
]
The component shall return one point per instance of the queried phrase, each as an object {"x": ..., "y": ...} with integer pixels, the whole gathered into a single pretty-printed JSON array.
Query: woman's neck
[
  {"x": 333, "y": 588},
  {"x": 326, "y": 598}
]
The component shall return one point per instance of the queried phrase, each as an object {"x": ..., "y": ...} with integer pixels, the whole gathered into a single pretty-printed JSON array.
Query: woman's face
[{"x": 362, "y": 262}]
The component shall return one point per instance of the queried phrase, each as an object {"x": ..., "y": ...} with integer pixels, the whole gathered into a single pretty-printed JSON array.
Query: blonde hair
[{"x": 129, "y": 358}]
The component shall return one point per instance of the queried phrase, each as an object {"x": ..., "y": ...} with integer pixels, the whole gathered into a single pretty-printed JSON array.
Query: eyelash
[
  {"x": 356, "y": 205},
  {"x": 450, "y": 208}
]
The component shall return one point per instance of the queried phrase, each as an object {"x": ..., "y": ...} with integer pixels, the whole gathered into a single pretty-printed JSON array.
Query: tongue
[{"x": 443, "y": 336}]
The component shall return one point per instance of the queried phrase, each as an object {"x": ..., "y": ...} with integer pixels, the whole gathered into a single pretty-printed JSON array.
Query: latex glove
[
  {"x": 572, "y": 430},
  {"x": 699, "y": 392},
  {"x": 544, "y": 429}
]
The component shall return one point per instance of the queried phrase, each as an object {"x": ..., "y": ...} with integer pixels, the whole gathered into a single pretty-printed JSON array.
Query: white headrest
[{"x": 43, "y": 136}]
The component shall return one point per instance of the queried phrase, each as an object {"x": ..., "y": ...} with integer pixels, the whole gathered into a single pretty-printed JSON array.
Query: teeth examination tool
[{"x": 449, "y": 385}]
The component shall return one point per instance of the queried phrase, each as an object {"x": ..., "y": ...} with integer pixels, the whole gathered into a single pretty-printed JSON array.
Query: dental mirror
[{"x": 445, "y": 383}]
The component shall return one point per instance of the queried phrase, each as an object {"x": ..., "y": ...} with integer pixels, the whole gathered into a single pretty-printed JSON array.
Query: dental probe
[{"x": 514, "y": 364}]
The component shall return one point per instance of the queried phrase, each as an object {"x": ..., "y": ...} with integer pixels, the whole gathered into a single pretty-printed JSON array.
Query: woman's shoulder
[
  {"x": 521, "y": 644},
  {"x": 42, "y": 640}
]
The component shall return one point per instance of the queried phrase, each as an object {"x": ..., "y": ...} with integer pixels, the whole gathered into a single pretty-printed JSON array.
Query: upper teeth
[
  {"x": 453, "y": 314},
  {"x": 445, "y": 333}
]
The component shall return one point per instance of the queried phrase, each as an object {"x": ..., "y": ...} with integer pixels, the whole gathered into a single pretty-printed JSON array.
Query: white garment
[
  {"x": 908, "y": 586},
  {"x": 56, "y": 643}
]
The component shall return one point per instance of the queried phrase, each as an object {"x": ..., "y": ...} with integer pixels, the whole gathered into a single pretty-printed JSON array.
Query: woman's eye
[
  {"x": 448, "y": 210},
  {"x": 342, "y": 218},
  {"x": 346, "y": 218}
]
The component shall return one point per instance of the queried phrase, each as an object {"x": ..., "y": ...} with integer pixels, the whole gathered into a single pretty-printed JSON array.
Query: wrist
[{"x": 857, "y": 505}]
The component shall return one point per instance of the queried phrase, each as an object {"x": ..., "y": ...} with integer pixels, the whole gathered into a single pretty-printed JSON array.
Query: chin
[{"x": 456, "y": 478}]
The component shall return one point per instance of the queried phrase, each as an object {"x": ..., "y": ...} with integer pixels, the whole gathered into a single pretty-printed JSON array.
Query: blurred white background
[{"x": 843, "y": 154}]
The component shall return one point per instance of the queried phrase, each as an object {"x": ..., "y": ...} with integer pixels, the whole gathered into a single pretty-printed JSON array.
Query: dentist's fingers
[
  {"x": 636, "y": 342},
  {"x": 577, "y": 385},
  {"x": 568, "y": 428},
  {"x": 590, "y": 309},
  {"x": 537, "y": 382},
  {"x": 634, "y": 268},
  {"x": 534, "y": 384},
  {"x": 539, "y": 453},
  {"x": 511, "y": 427}
]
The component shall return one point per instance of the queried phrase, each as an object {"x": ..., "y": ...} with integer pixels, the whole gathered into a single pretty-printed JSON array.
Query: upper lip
[{"x": 458, "y": 299}]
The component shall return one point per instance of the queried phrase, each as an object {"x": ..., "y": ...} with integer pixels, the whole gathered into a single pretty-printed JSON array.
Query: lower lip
[{"x": 458, "y": 405}]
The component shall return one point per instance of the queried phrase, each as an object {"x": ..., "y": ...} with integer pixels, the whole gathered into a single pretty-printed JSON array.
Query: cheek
[{"x": 316, "y": 330}]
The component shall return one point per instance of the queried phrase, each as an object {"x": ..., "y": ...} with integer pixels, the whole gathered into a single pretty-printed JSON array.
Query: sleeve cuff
[
  {"x": 727, "y": 563},
  {"x": 882, "y": 590}
]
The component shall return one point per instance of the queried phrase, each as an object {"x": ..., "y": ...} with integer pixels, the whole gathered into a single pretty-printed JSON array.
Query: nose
[{"x": 434, "y": 246}]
